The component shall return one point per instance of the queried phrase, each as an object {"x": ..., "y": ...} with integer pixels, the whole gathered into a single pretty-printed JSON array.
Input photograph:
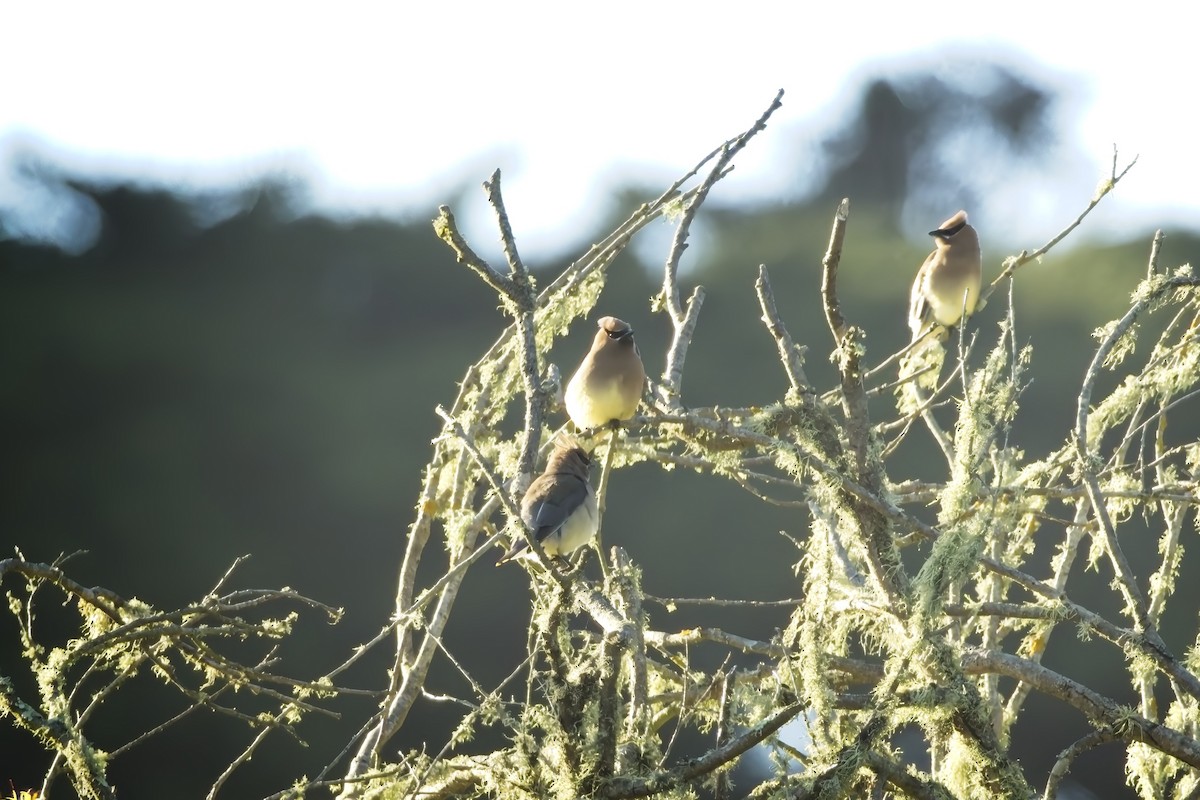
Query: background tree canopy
[{"x": 190, "y": 390}]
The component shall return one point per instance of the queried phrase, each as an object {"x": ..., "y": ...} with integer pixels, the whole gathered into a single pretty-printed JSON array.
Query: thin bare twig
[
  {"x": 1013, "y": 263},
  {"x": 1155, "y": 247},
  {"x": 679, "y": 242},
  {"x": 721, "y": 792},
  {"x": 790, "y": 355},
  {"x": 698, "y": 767},
  {"x": 670, "y": 602},
  {"x": 669, "y": 389},
  {"x": 446, "y": 228}
]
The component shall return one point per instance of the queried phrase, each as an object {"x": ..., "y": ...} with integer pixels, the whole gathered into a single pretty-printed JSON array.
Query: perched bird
[
  {"x": 560, "y": 504},
  {"x": 608, "y": 384},
  {"x": 952, "y": 270}
]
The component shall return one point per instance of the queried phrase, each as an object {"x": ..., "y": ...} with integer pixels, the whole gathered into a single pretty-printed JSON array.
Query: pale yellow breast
[
  {"x": 591, "y": 407},
  {"x": 945, "y": 297}
]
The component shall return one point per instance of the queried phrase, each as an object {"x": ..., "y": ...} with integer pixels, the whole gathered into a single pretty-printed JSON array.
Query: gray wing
[
  {"x": 547, "y": 515},
  {"x": 919, "y": 310}
]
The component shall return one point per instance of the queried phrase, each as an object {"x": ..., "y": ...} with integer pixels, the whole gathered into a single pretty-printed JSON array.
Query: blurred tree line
[{"x": 185, "y": 392}]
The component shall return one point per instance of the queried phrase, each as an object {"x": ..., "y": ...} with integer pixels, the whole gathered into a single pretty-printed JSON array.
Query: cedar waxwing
[
  {"x": 953, "y": 269},
  {"x": 608, "y": 384},
  {"x": 560, "y": 505}
]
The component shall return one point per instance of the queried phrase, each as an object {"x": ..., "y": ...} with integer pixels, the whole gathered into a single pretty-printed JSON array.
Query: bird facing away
[
  {"x": 560, "y": 505},
  {"x": 609, "y": 382},
  {"x": 952, "y": 270}
]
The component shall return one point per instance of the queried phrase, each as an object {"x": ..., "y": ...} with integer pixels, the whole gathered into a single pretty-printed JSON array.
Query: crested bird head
[{"x": 950, "y": 228}]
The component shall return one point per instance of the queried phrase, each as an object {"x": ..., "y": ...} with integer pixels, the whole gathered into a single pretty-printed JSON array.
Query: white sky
[{"x": 391, "y": 106}]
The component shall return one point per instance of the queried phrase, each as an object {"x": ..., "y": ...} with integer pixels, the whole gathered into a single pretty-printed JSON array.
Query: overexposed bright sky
[{"x": 391, "y": 106}]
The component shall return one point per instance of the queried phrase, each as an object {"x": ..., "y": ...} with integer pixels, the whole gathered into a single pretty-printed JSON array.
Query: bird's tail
[{"x": 516, "y": 549}]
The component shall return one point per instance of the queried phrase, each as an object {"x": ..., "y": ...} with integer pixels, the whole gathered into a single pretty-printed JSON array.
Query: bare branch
[
  {"x": 833, "y": 257},
  {"x": 1067, "y": 757},
  {"x": 679, "y": 243},
  {"x": 718, "y": 757},
  {"x": 684, "y": 322},
  {"x": 1013, "y": 263},
  {"x": 789, "y": 355},
  {"x": 670, "y": 388},
  {"x": 1155, "y": 247},
  {"x": 446, "y": 228},
  {"x": 516, "y": 269},
  {"x": 1095, "y": 706}
]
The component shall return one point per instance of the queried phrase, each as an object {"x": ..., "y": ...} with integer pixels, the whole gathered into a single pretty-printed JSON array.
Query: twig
[
  {"x": 418, "y": 537},
  {"x": 833, "y": 257},
  {"x": 1001, "y": 609},
  {"x": 1155, "y": 247},
  {"x": 409, "y": 676},
  {"x": 1067, "y": 757},
  {"x": 854, "y": 398},
  {"x": 901, "y": 353},
  {"x": 517, "y": 294},
  {"x": 602, "y": 497},
  {"x": 1119, "y": 636},
  {"x": 944, "y": 443},
  {"x": 241, "y": 758},
  {"x": 721, "y": 791},
  {"x": 631, "y": 602},
  {"x": 450, "y": 743},
  {"x": 1013, "y": 263},
  {"x": 882, "y": 557},
  {"x": 1131, "y": 727},
  {"x": 742, "y": 480},
  {"x": 607, "y": 706},
  {"x": 524, "y": 300},
  {"x": 789, "y": 355},
  {"x": 446, "y": 228},
  {"x": 516, "y": 268},
  {"x": 684, "y": 709},
  {"x": 679, "y": 242},
  {"x": 669, "y": 602},
  {"x": 100, "y": 599},
  {"x": 501, "y": 494},
  {"x": 912, "y": 785},
  {"x": 884, "y": 388},
  {"x": 684, "y": 322},
  {"x": 662, "y": 781},
  {"x": 697, "y": 635},
  {"x": 671, "y": 386},
  {"x": 1135, "y": 600}
]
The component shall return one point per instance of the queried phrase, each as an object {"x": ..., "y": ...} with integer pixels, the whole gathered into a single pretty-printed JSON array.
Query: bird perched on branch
[
  {"x": 948, "y": 282},
  {"x": 607, "y": 387},
  {"x": 560, "y": 505}
]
